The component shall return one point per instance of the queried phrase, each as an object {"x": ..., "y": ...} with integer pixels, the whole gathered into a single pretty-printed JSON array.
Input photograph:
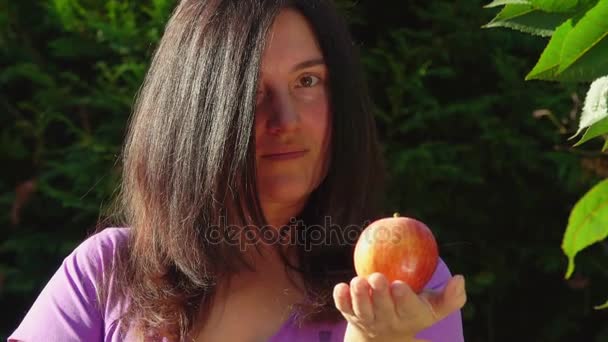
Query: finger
[
  {"x": 452, "y": 298},
  {"x": 382, "y": 302},
  {"x": 362, "y": 304},
  {"x": 405, "y": 299},
  {"x": 342, "y": 299}
]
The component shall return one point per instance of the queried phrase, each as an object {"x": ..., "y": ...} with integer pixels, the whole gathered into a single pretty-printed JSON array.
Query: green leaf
[
  {"x": 528, "y": 19},
  {"x": 585, "y": 48},
  {"x": 29, "y": 71},
  {"x": 556, "y": 5},
  {"x": 69, "y": 13},
  {"x": 548, "y": 63},
  {"x": 601, "y": 307},
  {"x": 587, "y": 224},
  {"x": 497, "y": 3},
  {"x": 73, "y": 47},
  {"x": 160, "y": 10},
  {"x": 597, "y": 129},
  {"x": 596, "y": 104}
]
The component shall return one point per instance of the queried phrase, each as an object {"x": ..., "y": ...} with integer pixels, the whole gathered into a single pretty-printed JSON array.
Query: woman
[{"x": 252, "y": 135}]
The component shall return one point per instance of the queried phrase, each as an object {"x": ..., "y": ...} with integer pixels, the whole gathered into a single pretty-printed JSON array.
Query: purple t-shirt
[{"x": 66, "y": 309}]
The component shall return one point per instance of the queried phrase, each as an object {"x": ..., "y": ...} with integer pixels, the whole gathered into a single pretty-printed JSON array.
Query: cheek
[{"x": 317, "y": 118}]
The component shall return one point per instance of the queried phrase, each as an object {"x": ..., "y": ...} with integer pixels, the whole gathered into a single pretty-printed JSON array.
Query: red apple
[{"x": 401, "y": 248}]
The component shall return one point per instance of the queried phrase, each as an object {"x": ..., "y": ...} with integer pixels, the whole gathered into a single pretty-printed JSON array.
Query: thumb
[{"x": 452, "y": 298}]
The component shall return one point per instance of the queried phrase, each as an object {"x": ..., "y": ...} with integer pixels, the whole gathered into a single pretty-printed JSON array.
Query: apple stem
[{"x": 396, "y": 215}]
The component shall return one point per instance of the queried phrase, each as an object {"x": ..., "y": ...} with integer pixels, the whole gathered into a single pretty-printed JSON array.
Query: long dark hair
[{"x": 188, "y": 163}]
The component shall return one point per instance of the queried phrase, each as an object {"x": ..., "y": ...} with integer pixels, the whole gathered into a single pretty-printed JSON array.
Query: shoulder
[
  {"x": 98, "y": 250},
  {"x": 69, "y": 303},
  {"x": 92, "y": 260}
]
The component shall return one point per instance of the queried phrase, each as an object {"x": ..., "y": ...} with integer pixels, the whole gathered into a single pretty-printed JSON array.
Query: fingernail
[
  {"x": 378, "y": 284},
  {"x": 360, "y": 286}
]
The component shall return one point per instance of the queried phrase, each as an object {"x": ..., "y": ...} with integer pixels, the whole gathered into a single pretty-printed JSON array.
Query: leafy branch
[{"x": 577, "y": 51}]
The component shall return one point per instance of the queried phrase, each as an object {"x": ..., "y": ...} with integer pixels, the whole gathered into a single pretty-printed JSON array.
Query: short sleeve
[
  {"x": 67, "y": 308},
  {"x": 448, "y": 329}
]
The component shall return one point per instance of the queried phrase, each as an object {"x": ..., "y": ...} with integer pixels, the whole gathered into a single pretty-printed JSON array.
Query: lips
[{"x": 284, "y": 155}]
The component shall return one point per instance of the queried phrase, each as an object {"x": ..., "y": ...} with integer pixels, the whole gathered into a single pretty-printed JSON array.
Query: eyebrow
[{"x": 307, "y": 64}]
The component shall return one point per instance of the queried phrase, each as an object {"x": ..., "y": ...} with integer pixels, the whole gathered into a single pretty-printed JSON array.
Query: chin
[{"x": 280, "y": 192}]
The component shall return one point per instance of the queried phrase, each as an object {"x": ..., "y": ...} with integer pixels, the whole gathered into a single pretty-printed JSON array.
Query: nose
[{"x": 283, "y": 115}]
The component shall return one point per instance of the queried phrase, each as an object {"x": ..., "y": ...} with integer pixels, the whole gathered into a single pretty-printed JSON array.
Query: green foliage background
[{"x": 455, "y": 115}]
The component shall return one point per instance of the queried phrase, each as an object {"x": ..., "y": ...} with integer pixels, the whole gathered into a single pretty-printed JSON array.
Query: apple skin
[{"x": 401, "y": 248}]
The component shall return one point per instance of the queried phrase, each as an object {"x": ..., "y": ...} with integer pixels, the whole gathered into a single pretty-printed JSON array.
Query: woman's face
[{"x": 292, "y": 128}]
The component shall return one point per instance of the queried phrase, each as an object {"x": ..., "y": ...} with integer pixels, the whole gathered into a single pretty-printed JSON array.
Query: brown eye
[{"x": 308, "y": 81}]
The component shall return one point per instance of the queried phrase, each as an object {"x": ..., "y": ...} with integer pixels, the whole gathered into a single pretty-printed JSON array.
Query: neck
[{"x": 280, "y": 214}]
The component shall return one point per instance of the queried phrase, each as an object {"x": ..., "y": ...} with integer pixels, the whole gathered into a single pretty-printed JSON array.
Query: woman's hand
[{"x": 379, "y": 311}]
